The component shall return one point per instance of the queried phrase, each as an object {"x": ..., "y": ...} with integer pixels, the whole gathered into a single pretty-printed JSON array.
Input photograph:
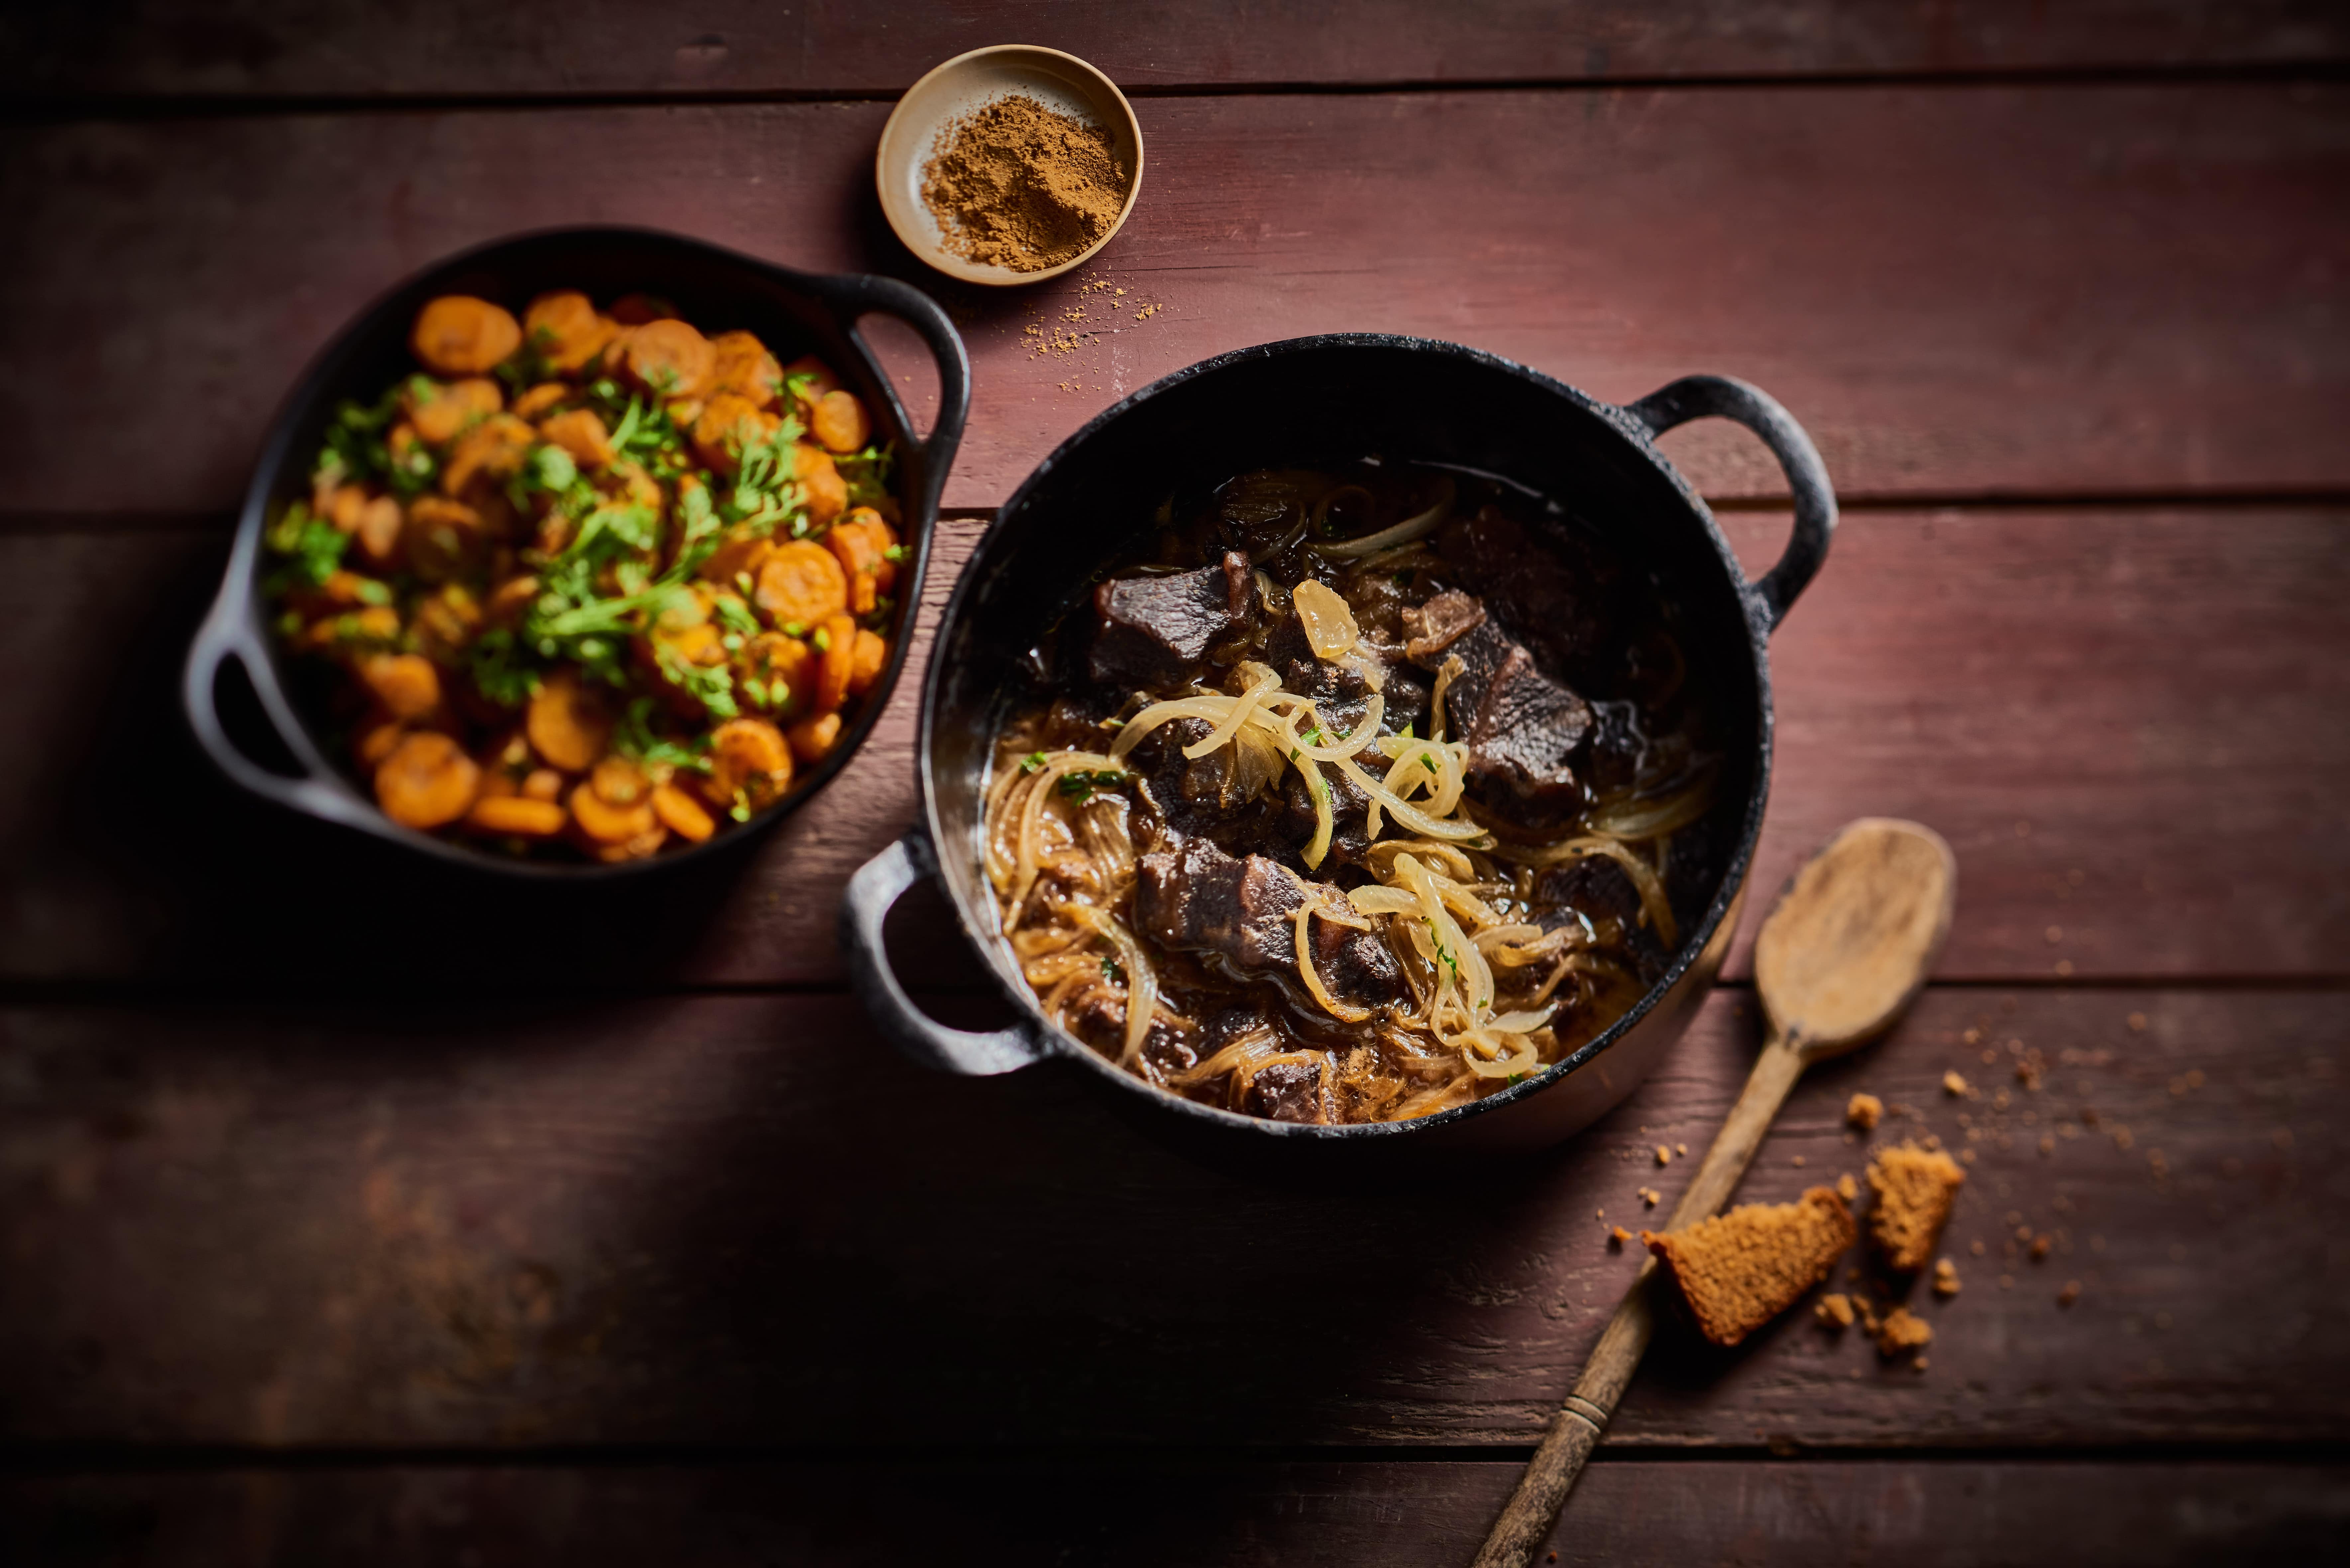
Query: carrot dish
[{"x": 591, "y": 583}]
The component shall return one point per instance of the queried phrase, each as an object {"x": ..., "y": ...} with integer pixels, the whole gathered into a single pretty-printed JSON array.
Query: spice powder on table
[{"x": 1015, "y": 184}]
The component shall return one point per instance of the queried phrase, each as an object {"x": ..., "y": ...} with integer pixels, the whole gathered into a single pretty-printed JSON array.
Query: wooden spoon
[{"x": 1845, "y": 952}]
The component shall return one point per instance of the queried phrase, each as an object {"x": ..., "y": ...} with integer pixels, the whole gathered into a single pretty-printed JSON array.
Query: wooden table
[{"x": 615, "y": 1232}]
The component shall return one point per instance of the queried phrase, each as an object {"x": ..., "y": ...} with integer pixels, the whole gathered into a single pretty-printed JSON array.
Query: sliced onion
[
  {"x": 1524, "y": 1056},
  {"x": 1346, "y": 1013},
  {"x": 1330, "y": 629},
  {"x": 1653, "y": 902},
  {"x": 1450, "y": 671},
  {"x": 1403, "y": 533},
  {"x": 1229, "y": 726}
]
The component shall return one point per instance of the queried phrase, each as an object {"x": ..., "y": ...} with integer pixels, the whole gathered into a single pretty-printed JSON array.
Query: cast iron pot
[
  {"x": 1291, "y": 404},
  {"x": 793, "y": 311}
]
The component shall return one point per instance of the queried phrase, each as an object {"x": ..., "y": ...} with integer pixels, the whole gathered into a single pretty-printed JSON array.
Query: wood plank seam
[{"x": 62, "y": 109}]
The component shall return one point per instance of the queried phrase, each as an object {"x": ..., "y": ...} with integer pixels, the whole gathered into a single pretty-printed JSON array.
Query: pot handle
[
  {"x": 1723, "y": 397},
  {"x": 876, "y": 886},
  {"x": 853, "y": 294},
  {"x": 228, "y": 633}
]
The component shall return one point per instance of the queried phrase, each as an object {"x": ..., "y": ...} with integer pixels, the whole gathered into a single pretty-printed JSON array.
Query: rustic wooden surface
[
  {"x": 320, "y": 1240},
  {"x": 1096, "y": 1513}
]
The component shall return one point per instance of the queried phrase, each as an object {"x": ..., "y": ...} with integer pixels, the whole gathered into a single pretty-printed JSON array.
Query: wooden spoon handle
[{"x": 1574, "y": 1431}]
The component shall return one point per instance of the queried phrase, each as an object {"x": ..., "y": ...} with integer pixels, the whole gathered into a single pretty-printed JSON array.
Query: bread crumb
[
  {"x": 1976, "y": 1247},
  {"x": 1863, "y": 1111},
  {"x": 1848, "y": 1189},
  {"x": 2007, "y": 1281},
  {"x": 2138, "y": 1022},
  {"x": 2040, "y": 1245},
  {"x": 1737, "y": 1270},
  {"x": 1664, "y": 1154},
  {"x": 1954, "y": 1085},
  {"x": 1680, "y": 1148},
  {"x": 1902, "y": 1331},
  {"x": 1915, "y": 1189},
  {"x": 1946, "y": 1278},
  {"x": 1651, "y": 1197},
  {"x": 2069, "y": 1294},
  {"x": 1798, "y": 1162},
  {"x": 1836, "y": 1310},
  {"x": 1618, "y": 1235},
  {"x": 1599, "y": 1214}
]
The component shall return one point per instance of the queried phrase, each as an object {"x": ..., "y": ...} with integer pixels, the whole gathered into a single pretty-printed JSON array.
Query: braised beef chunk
[
  {"x": 1357, "y": 965},
  {"x": 1350, "y": 831},
  {"x": 1431, "y": 629},
  {"x": 1597, "y": 890},
  {"x": 1522, "y": 726},
  {"x": 1196, "y": 898},
  {"x": 1287, "y": 1092},
  {"x": 1156, "y": 631},
  {"x": 1561, "y": 593}
]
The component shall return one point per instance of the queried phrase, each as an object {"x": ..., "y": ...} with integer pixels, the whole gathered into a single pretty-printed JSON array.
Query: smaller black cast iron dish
[
  {"x": 795, "y": 313},
  {"x": 1297, "y": 404}
]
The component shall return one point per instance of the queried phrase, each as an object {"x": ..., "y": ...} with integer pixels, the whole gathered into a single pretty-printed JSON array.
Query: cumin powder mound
[{"x": 1015, "y": 184}]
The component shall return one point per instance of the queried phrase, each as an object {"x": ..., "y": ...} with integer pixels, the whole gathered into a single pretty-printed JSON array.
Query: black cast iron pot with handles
[
  {"x": 1294, "y": 404},
  {"x": 793, "y": 311}
]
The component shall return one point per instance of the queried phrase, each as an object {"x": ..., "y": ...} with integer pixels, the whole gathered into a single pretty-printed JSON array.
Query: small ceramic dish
[{"x": 969, "y": 82}]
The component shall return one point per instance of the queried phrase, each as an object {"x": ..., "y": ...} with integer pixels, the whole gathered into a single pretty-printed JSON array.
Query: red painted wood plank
[
  {"x": 1136, "y": 1512},
  {"x": 438, "y": 47},
  {"x": 741, "y": 1221},
  {"x": 2047, "y": 290},
  {"x": 2127, "y": 722}
]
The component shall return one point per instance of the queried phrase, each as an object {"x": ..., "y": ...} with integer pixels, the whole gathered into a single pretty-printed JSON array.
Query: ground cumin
[{"x": 1015, "y": 184}]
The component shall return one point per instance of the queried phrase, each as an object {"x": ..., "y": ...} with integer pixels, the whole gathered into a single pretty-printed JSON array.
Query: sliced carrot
[
  {"x": 669, "y": 359},
  {"x": 443, "y": 413},
  {"x": 580, "y": 433},
  {"x": 772, "y": 660},
  {"x": 345, "y": 506},
  {"x": 375, "y": 745},
  {"x": 801, "y": 586},
  {"x": 643, "y": 847},
  {"x": 428, "y": 781},
  {"x": 444, "y": 623},
  {"x": 457, "y": 335},
  {"x": 616, "y": 780},
  {"x": 872, "y": 657},
  {"x": 819, "y": 380},
  {"x": 606, "y": 823},
  {"x": 405, "y": 683},
  {"x": 517, "y": 815},
  {"x": 565, "y": 328},
  {"x": 378, "y": 534},
  {"x": 509, "y": 599},
  {"x": 569, "y": 725},
  {"x": 543, "y": 783},
  {"x": 540, "y": 399},
  {"x": 443, "y": 538},
  {"x": 682, "y": 815},
  {"x": 813, "y": 736},
  {"x": 820, "y": 483},
  {"x": 744, "y": 365},
  {"x": 741, "y": 556},
  {"x": 494, "y": 449},
  {"x": 840, "y": 423},
  {"x": 749, "y": 763},
  {"x": 730, "y": 423},
  {"x": 835, "y": 643}
]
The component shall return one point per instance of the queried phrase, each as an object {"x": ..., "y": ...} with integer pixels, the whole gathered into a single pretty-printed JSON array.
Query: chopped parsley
[{"x": 1079, "y": 784}]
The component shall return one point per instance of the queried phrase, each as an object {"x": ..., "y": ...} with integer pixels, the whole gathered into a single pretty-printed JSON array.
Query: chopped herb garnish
[
  {"x": 1032, "y": 762},
  {"x": 1079, "y": 784}
]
